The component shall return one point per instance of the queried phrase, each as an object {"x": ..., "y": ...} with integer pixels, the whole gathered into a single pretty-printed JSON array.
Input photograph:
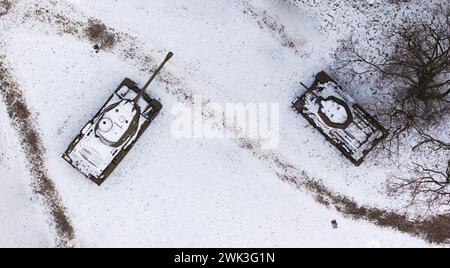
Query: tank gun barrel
[{"x": 139, "y": 95}]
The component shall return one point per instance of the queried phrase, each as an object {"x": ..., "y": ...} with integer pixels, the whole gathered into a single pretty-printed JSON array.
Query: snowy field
[{"x": 172, "y": 192}]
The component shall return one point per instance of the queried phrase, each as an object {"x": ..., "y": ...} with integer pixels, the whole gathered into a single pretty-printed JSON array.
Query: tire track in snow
[
  {"x": 128, "y": 48},
  {"x": 272, "y": 24},
  {"x": 31, "y": 144}
]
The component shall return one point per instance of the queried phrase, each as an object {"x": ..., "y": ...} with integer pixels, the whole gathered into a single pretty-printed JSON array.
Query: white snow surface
[{"x": 189, "y": 192}]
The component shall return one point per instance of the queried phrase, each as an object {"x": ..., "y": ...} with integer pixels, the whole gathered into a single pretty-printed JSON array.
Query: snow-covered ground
[{"x": 172, "y": 192}]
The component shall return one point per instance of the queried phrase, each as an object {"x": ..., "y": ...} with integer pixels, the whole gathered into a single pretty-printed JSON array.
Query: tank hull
[
  {"x": 97, "y": 160},
  {"x": 345, "y": 124}
]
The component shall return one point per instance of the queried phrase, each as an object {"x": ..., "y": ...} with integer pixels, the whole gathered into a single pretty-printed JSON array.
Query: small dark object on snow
[
  {"x": 343, "y": 122},
  {"x": 96, "y": 48},
  {"x": 334, "y": 224},
  {"x": 110, "y": 135}
]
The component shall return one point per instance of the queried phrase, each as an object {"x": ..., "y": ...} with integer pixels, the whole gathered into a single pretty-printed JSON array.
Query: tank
[
  {"x": 106, "y": 139},
  {"x": 343, "y": 122}
]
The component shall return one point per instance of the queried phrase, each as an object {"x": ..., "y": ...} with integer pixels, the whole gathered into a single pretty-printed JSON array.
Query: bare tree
[
  {"x": 413, "y": 70},
  {"x": 416, "y": 66},
  {"x": 428, "y": 186},
  {"x": 432, "y": 142}
]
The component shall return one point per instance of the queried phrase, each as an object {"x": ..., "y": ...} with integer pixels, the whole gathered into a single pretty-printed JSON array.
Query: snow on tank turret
[
  {"x": 343, "y": 122},
  {"x": 110, "y": 135}
]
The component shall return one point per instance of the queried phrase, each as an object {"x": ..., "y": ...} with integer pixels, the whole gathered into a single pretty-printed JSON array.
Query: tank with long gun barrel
[{"x": 114, "y": 130}]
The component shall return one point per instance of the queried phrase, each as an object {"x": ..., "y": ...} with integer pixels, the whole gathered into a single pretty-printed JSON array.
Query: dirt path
[
  {"x": 31, "y": 143},
  {"x": 5, "y": 7},
  {"x": 272, "y": 24},
  {"x": 129, "y": 49}
]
